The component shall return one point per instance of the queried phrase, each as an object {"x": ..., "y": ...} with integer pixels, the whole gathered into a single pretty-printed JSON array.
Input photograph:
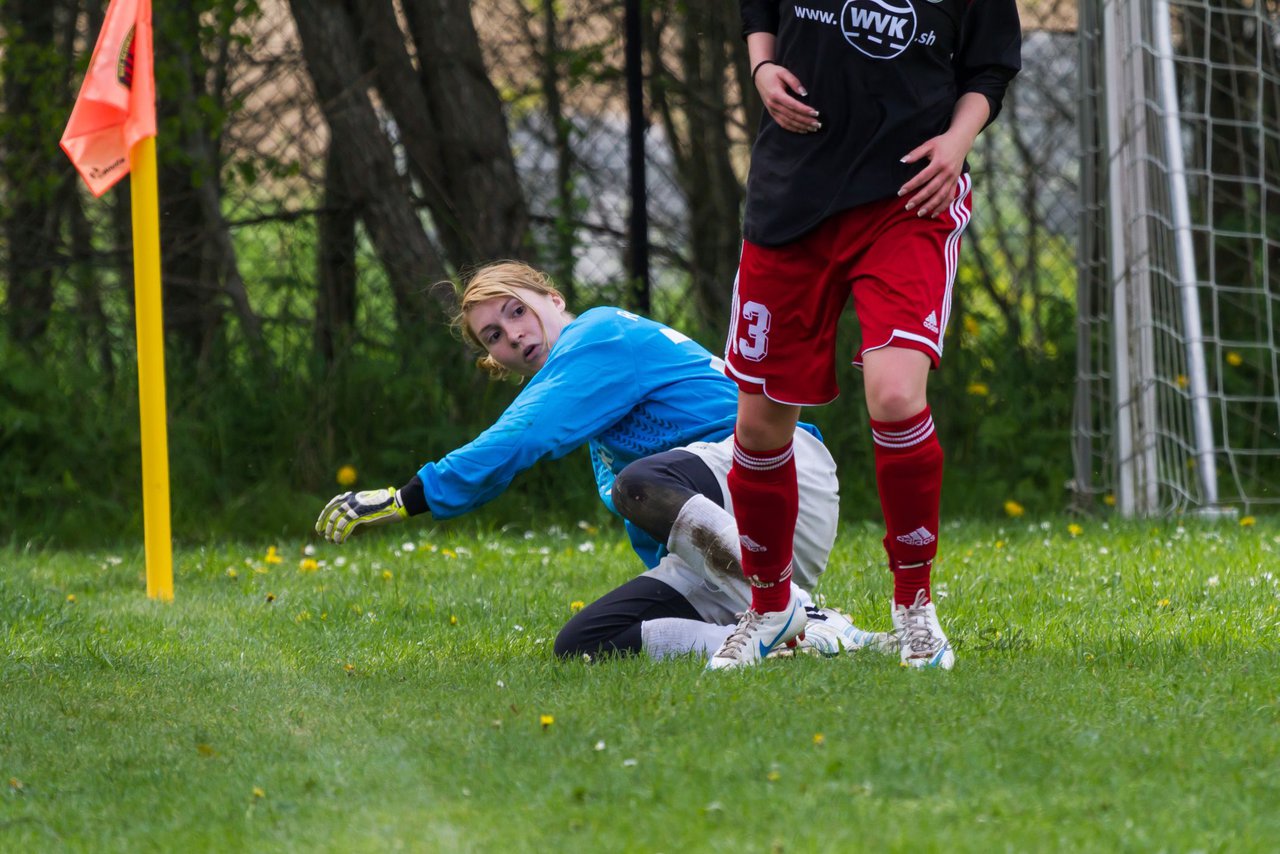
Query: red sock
[
  {"x": 766, "y": 502},
  {"x": 909, "y": 477}
]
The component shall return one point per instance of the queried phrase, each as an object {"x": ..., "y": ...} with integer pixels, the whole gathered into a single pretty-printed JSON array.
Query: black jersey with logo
[{"x": 885, "y": 76}]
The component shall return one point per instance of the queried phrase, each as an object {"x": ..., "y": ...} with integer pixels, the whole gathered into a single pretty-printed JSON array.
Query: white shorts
[{"x": 815, "y": 530}]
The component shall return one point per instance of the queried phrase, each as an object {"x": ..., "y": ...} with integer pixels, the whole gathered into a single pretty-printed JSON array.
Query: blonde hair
[{"x": 499, "y": 279}]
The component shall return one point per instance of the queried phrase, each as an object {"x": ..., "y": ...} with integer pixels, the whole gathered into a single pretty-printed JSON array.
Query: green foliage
[{"x": 1114, "y": 691}]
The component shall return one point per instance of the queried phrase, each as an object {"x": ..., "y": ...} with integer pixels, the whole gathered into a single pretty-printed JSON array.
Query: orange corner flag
[{"x": 117, "y": 102}]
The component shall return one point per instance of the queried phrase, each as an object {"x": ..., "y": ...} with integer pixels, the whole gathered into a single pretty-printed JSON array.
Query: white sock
[
  {"x": 668, "y": 636},
  {"x": 705, "y": 536}
]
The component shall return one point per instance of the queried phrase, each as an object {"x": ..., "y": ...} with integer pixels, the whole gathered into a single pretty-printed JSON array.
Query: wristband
[{"x": 761, "y": 64}]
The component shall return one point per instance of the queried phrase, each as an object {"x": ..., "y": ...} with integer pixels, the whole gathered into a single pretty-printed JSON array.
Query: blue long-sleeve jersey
[{"x": 627, "y": 386}]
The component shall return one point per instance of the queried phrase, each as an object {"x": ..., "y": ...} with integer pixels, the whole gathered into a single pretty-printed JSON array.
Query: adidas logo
[
  {"x": 919, "y": 537},
  {"x": 751, "y": 545},
  {"x": 931, "y": 323}
]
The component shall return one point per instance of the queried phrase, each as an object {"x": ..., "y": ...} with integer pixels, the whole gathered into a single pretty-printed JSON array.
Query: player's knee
[
  {"x": 894, "y": 401},
  {"x": 631, "y": 490},
  {"x": 569, "y": 642}
]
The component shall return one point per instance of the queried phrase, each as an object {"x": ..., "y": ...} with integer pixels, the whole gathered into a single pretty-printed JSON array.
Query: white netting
[{"x": 1178, "y": 402}]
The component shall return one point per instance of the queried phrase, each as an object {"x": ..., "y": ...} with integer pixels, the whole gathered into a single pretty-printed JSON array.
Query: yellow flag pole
[{"x": 145, "y": 195}]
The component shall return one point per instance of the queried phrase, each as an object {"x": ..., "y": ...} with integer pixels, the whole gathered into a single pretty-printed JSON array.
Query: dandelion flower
[
  {"x": 1013, "y": 509},
  {"x": 308, "y": 564},
  {"x": 1234, "y": 359},
  {"x": 1182, "y": 381},
  {"x": 258, "y": 792},
  {"x": 819, "y": 739},
  {"x": 774, "y": 775},
  {"x": 577, "y": 605},
  {"x": 71, "y": 598},
  {"x": 1163, "y": 603},
  {"x": 1109, "y": 500},
  {"x": 453, "y": 620},
  {"x": 346, "y": 475},
  {"x": 273, "y": 556},
  {"x": 271, "y": 597},
  {"x": 387, "y": 575},
  {"x": 978, "y": 389},
  {"x": 232, "y": 574},
  {"x": 349, "y": 667},
  {"x": 1074, "y": 530},
  {"x": 546, "y": 720},
  {"x": 1248, "y": 522}
]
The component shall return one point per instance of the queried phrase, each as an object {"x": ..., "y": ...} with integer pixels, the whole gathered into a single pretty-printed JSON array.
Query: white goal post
[{"x": 1178, "y": 387}]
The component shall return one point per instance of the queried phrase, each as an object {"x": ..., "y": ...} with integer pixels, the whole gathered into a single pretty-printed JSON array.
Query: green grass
[{"x": 1114, "y": 690}]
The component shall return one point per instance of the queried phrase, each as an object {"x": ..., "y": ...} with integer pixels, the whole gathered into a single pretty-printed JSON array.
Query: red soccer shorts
[{"x": 787, "y": 299}]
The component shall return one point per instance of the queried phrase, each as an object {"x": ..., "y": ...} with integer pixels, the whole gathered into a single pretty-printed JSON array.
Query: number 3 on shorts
[{"x": 756, "y": 343}]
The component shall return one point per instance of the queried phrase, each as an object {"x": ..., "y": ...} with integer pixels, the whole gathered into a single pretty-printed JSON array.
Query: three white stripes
[
  {"x": 904, "y": 438},
  {"x": 744, "y": 459}
]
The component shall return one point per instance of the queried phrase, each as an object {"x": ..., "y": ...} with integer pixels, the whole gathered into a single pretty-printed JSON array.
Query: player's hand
[
  {"x": 931, "y": 191},
  {"x": 775, "y": 85},
  {"x": 352, "y": 511}
]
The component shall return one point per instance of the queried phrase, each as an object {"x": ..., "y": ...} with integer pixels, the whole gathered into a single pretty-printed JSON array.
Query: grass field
[{"x": 1116, "y": 688}]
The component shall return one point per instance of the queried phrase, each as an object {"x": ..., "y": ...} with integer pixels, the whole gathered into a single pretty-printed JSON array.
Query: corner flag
[
  {"x": 117, "y": 103},
  {"x": 111, "y": 133}
]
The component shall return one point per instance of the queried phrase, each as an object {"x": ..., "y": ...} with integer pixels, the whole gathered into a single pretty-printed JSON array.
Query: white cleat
[
  {"x": 920, "y": 637},
  {"x": 757, "y": 635},
  {"x": 828, "y": 632}
]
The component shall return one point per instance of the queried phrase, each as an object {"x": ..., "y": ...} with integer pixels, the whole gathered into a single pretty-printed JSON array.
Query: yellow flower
[
  {"x": 546, "y": 720},
  {"x": 453, "y": 620},
  {"x": 819, "y": 739},
  {"x": 1109, "y": 500},
  {"x": 1013, "y": 508},
  {"x": 1234, "y": 359},
  {"x": 232, "y": 574},
  {"x": 1248, "y": 522},
  {"x": 999, "y": 544},
  {"x": 273, "y": 556},
  {"x": 1182, "y": 381},
  {"x": 349, "y": 667},
  {"x": 258, "y": 792},
  {"x": 1163, "y": 603},
  {"x": 773, "y": 776},
  {"x": 271, "y": 597},
  {"x": 978, "y": 389},
  {"x": 308, "y": 564},
  {"x": 1074, "y": 530},
  {"x": 346, "y": 475},
  {"x": 71, "y": 597},
  {"x": 387, "y": 575},
  {"x": 970, "y": 325},
  {"x": 577, "y": 605}
]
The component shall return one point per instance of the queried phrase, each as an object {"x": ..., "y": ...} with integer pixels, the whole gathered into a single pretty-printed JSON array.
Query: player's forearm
[
  {"x": 761, "y": 47},
  {"x": 969, "y": 117}
]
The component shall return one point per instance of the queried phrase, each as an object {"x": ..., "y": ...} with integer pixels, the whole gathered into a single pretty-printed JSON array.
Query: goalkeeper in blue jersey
[{"x": 657, "y": 414}]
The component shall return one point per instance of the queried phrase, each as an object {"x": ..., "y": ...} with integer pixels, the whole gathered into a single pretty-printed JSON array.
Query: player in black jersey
[{"x": 859, "y": 187}]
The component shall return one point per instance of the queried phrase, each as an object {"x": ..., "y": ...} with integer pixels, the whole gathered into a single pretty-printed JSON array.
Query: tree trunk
[
  {"x": 32, "y": 166},
  {"x": 336, "y": 265},
  {"x": 486, "y": 204},
  {"x": 369, "y": 176}
]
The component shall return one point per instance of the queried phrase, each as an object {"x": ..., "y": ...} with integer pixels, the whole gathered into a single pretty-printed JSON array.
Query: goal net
[{"x": 1178, "y": 383}]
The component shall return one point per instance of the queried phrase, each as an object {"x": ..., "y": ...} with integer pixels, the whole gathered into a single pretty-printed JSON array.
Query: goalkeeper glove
[{"x": 351, "y": 511}]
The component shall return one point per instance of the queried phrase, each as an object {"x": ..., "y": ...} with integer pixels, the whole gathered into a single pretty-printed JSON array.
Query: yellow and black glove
[{"x": 351, "y": 511}]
